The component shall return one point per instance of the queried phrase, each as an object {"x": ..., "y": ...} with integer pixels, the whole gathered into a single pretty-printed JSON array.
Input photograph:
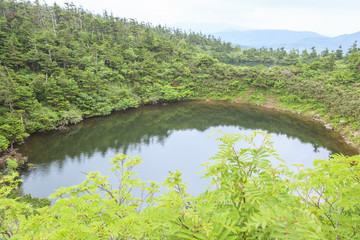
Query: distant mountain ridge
[
  {"x": 207, "y": 28},
  {"x": 288, "y": 39}
]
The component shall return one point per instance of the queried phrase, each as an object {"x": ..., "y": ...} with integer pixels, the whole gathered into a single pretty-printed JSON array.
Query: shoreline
[{"x": 269, "y": 104}]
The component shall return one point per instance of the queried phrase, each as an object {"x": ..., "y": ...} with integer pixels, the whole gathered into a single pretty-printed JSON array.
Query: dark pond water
[{"x": 167, "y": 137}]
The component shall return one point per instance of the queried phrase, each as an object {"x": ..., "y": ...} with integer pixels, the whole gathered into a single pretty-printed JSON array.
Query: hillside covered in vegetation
[
  {"x": 58, "y": 66},
  {"x": 61, "y": 65}
]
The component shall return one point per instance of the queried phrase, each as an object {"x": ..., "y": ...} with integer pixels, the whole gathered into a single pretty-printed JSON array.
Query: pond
[{"x": 167, "y": 137}]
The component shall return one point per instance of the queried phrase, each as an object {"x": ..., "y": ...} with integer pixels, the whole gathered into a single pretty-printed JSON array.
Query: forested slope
[{"x": 60, "y": 65}]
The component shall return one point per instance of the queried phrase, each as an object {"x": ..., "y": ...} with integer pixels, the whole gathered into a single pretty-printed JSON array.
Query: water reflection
[{"x": 166, "y": 137}]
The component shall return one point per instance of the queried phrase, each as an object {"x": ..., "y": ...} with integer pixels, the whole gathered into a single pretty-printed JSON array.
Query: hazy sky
[{"x": 328, "y": 17}]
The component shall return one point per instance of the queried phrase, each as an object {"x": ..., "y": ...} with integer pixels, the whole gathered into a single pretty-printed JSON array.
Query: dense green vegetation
[
  {"x": 144, "y": 124},
  {"x": 248, "y": 199},
  {"x": 60, "y": 65}
]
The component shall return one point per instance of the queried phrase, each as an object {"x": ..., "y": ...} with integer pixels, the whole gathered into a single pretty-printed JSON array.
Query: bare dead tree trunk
[
  {"x": 53, "y": 20},
  {"x": 50, "y": 55}
]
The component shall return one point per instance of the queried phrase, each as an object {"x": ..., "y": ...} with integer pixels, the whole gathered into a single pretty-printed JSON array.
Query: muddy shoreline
[{"x": 271, "y": 103}]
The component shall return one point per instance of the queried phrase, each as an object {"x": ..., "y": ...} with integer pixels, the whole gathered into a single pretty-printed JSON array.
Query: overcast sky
[{"x": 327, "y": 17}]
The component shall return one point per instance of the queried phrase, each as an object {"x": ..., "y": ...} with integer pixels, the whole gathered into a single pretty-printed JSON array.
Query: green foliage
[
  {"x": 4, "y": 143},
  {"x": 71, "y": 116},
  {"x": 256, "y": 97},
  {"x": 95, "y": 209},
  {"x": 60, "y": 65},
  {"x": 13, "y": 130},
  {"x": 35, "y": 202},
  {"x": 248, "y": 198},
  {"x": 251, "y": 189},
  {"x": 12, "y": 212},
  {"x": 205, "y": 60},
  {"x": 331, "y": 190}
]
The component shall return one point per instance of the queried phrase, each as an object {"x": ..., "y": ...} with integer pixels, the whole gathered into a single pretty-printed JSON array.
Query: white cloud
[{"x": 329, "y": 17}]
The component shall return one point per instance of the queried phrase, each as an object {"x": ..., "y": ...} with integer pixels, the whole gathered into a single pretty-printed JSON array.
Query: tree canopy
[{"x": 60, "y": 65}]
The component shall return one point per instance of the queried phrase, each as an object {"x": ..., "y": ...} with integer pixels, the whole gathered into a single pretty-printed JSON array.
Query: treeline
[{"x": 60, "y": 65}]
